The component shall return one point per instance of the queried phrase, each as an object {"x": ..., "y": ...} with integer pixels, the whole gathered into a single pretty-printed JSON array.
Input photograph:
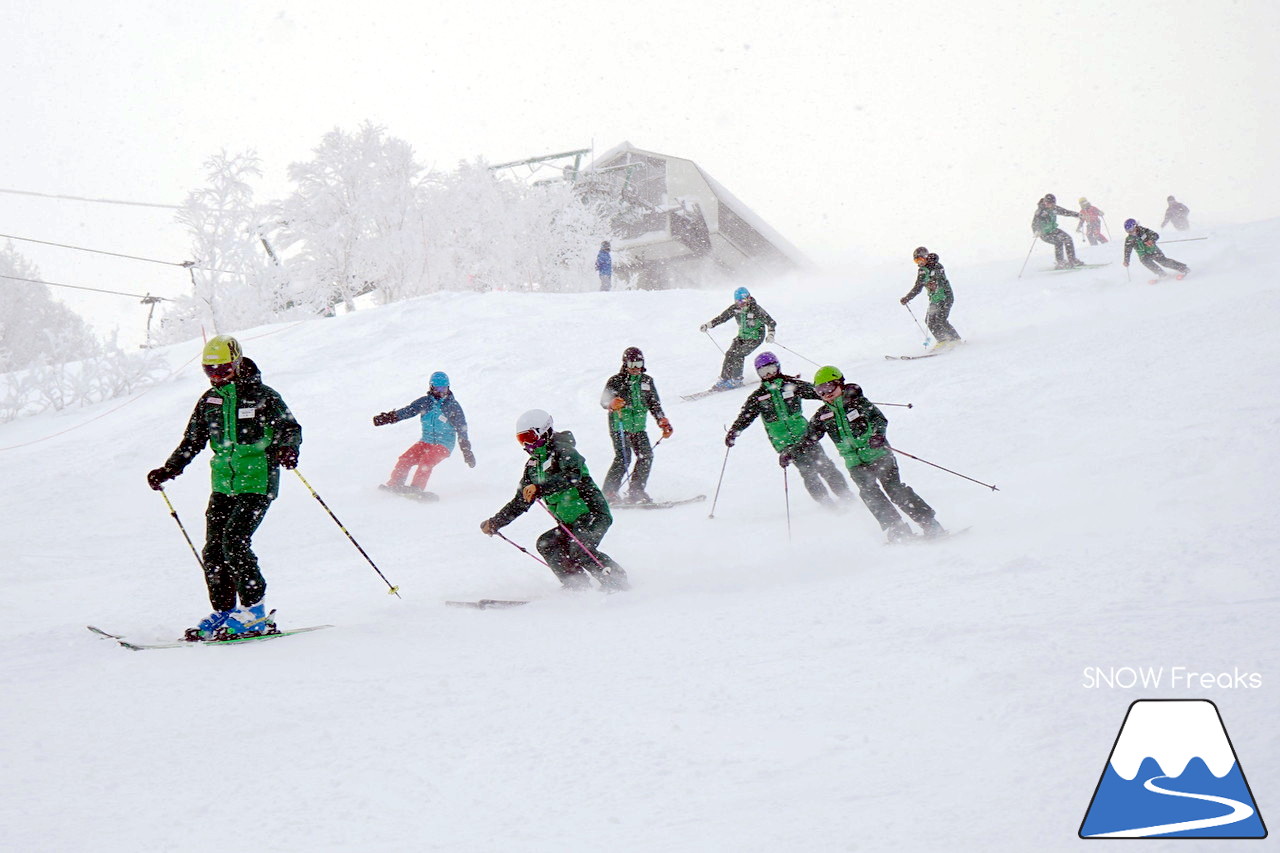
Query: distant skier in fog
[
  {"x": 1176, "y": 213},
  {"x": 604, "y": 266},
  {"x": 931, "y": 276},
  {"x": 1091, "y": 222}
]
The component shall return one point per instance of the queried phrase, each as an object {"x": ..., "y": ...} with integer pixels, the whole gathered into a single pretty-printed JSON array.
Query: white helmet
[{"x": 534, "y": 428}]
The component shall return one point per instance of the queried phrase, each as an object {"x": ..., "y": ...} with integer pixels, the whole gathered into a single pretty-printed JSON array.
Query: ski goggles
[
  {"x": 221, "y": 372},
  {"x": 635, "y": 364},
  {"x": 767, "y": 371},
  {"x": 439, "y": 390},
  {"x": 828, "y": 389},
  {"x": 920, "y": 259},
  {"x": 530, "y": 438}
]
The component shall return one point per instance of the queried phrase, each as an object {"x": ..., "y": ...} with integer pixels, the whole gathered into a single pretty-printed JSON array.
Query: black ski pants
[
  {"x": 1158, "y": 257},
  {"x": 571, "y": 563},
  {"x": 230, "y": 566},
  {"x": 624, "y": 444},
  {"x": 815, "y": 466},
  {"x": 936, "y": 317},
  {"x": 736, "y": 355},
  {"x": 1061, "y": 242},
  {"x": 881, "y": 487}
]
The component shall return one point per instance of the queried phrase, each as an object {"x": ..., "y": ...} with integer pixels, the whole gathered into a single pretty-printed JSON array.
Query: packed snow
[{"x": 762, "y": 688}]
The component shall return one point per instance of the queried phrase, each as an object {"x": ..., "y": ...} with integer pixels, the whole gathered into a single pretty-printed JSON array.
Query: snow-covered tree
[
  {"x": 36, "y": 329},
  {"x": 354, "y": 223}
]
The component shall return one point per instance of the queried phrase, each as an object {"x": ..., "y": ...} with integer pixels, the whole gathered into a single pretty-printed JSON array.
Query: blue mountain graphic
[{"x": 1121, "y": 805}]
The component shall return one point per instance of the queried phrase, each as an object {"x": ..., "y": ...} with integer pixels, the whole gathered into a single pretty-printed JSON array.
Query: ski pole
[
  {"x": 713, "y": 340},
  {"x": 574, "y": 537},
  {"x": 1184, "y": 240},
  {"x": 786, "y": 490},
  {"x": 948, "y": 470},
  {"x": 174, "y": 513},
  {"x": 518, "y": 547},
  {"x": 793, "y": 352},
  {"x": 903, "y": 405},
  {"x": 918, "y": 326},
  {"x": 1027, "y": 258},
  {"x": 718, "y": 482},
  {"x": 391, "y": 589},
  {"x": 1106, "y": 226}
]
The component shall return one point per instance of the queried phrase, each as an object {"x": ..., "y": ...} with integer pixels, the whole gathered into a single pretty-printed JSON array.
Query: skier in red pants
[{"x": 443, "y": 423}]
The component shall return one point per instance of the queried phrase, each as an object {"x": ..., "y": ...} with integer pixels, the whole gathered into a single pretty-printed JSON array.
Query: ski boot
[
  {"x": 249, "y": 622},
  {"x": 899, "y": 532},
  {"x": 932, "y": 529},
  {"x": 1076, "y": 262},
  {"x": 637, "y": 495},
  {"x": 208, "y": 627}
]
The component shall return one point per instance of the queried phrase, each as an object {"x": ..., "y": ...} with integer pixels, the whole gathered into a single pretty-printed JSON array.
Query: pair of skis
[{"x": 178, "y": 644}]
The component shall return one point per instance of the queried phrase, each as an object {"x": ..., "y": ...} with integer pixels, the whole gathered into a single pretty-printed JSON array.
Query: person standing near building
[
  {"x": 631, "y": 396},
  {"x": 1143, "y": 241},
  {"x": 604, "y": 266},
  {"x": 1044, "y": 224},
  {"x": 857, "y": 428},
  {"x": 778, "y": 404},
  {"x": 253, "y": 435},
  {"x": 1091, "y": 222},
  {"x": 755, "y": 327},
  {"x": 932, "y": 277},
  {"x": 557, "y": 475},
  {"x": 443, "y": 425},
  {"x": 1176, "y": 213}
]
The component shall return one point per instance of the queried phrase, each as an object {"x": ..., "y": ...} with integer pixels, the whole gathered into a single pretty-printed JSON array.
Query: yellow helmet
[
  {"x": 222, "y": 349},
  {"x": 1083, "y": 201}
]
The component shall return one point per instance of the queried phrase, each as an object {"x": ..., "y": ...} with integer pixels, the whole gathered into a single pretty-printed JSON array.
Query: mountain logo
[{"x": 1173, "y": 773}]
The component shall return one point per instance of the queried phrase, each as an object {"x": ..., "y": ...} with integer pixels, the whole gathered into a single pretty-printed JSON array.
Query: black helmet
[
  {"x": 604, "y": 245},
  {"x": 1051, "y": 198},
  {"x": 920, "y": 252},
  {"x": 1171, "y": 198},
  {"x": 632, "y": 355}
]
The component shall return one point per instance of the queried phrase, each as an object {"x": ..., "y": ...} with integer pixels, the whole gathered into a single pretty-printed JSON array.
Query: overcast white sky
[{"x": 858, "y": 130}]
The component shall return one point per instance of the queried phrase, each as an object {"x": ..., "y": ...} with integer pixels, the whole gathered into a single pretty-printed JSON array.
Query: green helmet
[
  {"x": 222, "y": 349},
  {"x": 827, "y": 374}
]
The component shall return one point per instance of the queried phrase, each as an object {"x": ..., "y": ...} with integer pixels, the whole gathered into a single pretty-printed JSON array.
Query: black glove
[
  {"x": 468, "y": 457},
  {"x": 784, "y": 459},
  {"x": 904, "y": 300},
  {"x": 876, "y": 440},
  {"x": 384, "y": 419},
  {"x": 858, "y": 425},
  {"x": 284, "y": 456},
  {"x": 159, "y": 475},
  {"x": 854, "y": 389},
  {"x": 729, "y": 438}
]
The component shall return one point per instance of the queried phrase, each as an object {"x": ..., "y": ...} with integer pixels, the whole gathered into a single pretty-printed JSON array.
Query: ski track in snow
[{"x": 747, "y": 695}]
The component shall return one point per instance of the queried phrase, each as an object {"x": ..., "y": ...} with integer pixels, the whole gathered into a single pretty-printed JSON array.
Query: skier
[
  {"x": 252, "y": 434},
  {"x": 631, "y": 396},
  {"x": 1091, "y": 222},
  {"x": 604, "y": 266},
  {"x": 931, "y": 276},
  {"x": 1144, "y": 241},
  {"x": 754, "y": 327},
  {"x": 557, "y": 474},
  {"x": 778, "y": 405},
  {"x": 857, "y": 427},
  {"x": 1045, "y": 226},
  {"x": 1176, "y": 213},
  {"x": 443, "y": 423}
]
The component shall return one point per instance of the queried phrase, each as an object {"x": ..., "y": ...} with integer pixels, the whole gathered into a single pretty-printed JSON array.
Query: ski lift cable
[
  {"x": 184, "y": 264},
  {"x": 147, "y": 297}
]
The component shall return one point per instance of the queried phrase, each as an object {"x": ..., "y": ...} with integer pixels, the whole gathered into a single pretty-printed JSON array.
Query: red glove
[
  {"x": 876, "y": 440},
  {"x": 384, "y": 419},
  {"x": 666, "y": 427}
]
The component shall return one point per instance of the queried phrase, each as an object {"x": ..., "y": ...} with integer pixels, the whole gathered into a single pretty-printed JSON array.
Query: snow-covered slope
[{"x": 752, "y": 693}]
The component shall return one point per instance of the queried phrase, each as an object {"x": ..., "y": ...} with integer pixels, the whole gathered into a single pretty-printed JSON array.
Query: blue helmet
[
  {"x": 1130, "y": 224},
  {"x": 740, "y": 294},
  {"x": 439, "y": 379}
]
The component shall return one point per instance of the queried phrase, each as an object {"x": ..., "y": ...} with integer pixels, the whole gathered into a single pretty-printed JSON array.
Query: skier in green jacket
[
  {"x": 253, "y": 434},
  {"x": 557, "y": 474},
  {"x": 857, "y": 428},
  {"x": 631, "y": 396},
  {"x": 1143, "y": 240},
  {"x": 778, "y": 405},
  {"x": 755, "y": 327},
  {"x": 931, "y": 276},
  {"x": 1044, "y": 224}
]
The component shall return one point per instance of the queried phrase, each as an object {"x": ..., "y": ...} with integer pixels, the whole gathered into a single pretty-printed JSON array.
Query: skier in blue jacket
[
  {"x": 443, "y": 424},
  {"x": 604, "y": 266}
]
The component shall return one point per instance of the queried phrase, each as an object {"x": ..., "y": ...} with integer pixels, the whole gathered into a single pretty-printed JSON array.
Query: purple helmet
[{"x": 765, "y": 358}]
